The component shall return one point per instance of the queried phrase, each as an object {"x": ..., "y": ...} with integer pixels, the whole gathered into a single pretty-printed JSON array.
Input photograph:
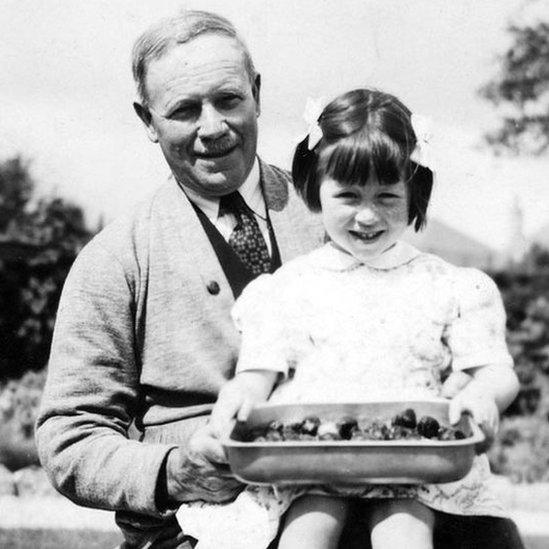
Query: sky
[{"x": 66, "y": 93}]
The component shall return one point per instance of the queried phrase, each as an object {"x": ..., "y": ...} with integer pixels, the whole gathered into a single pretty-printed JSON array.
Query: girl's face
[{"x": 364, "y": 221}]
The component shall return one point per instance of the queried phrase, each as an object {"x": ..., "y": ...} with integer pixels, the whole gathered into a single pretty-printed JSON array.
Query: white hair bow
[
  {"x": 313, "y": 110},
  {"x": 424, "y": 153}
]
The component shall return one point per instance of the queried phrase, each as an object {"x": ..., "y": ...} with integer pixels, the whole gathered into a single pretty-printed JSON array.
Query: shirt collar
[
  {"x": 250, "y": 191},
  {"x": 334, "y": 259}
]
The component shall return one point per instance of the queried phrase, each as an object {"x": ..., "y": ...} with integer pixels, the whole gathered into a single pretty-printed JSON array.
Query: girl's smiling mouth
[{"x": 366, "y": 236}]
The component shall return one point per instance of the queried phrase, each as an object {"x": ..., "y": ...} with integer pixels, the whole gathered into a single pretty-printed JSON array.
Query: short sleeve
[
  {"x": 261, "y": 314},
  {"x": 476, "y": 337}
]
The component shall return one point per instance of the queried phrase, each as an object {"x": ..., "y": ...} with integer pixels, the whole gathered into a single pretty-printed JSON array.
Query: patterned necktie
[{"x": 246, "y": 239}]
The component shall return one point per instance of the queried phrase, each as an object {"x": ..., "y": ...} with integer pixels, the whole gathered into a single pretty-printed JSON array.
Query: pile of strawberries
[{"x": 401, "y": 427}]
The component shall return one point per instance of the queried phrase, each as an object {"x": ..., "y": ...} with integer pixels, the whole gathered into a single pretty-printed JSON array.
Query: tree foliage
[
  {"x": 521, "y": 87},
  {"x": 16, "y": 187},
  {"x": 521, "y": 448},
  {"x": 526, "y": 300},
  {"x": 49, "y": 233}
]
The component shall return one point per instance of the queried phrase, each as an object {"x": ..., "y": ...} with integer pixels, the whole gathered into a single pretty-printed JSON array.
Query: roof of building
[
  {"x": 453, "y": 245},
  {"x": 541, "y": 237}
]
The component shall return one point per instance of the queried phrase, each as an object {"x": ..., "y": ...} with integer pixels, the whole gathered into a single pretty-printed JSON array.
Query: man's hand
[
  {"x": 201, "y": 473},
  {"x": 205, "y": 443}
]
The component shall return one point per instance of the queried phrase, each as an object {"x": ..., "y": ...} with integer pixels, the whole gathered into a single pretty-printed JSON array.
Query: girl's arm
[
  {"x": 455, "y": 382},
  {"x": 239, "y": 395},
  {"x": 236, "y": 399},
  {"x": 476, "y": 338},
  {"x": 500, "y": 383}
]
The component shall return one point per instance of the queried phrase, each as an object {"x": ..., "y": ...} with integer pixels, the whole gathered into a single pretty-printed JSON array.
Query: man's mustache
[{"x": 219, "y": 147}]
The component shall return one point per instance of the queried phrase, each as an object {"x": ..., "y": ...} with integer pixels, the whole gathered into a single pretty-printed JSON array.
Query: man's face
[{"x": 202, "y": 109}]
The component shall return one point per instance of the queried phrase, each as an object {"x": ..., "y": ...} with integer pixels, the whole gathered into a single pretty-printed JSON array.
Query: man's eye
[
  {"x": 229, "y": 101},
  {"x": 184, "y": 112},
  {"x": 388, "y": 196}
]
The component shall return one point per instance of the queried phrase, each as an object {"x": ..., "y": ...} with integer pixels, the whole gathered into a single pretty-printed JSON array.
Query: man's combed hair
[
  {"x": 179, "y": 29},
  {"x": 365, "y": 134}
]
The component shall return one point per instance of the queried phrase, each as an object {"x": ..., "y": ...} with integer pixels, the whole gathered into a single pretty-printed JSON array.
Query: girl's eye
[
  {"x": 346, "y": 195},
  {"x": 388, "y": 196}
]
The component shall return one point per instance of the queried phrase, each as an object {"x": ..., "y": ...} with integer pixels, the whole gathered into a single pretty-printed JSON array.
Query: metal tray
[{"x": 352, "y": 462}]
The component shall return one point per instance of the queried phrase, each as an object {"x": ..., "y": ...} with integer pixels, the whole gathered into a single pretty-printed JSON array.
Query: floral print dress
[{"x": 340, "y": 330}]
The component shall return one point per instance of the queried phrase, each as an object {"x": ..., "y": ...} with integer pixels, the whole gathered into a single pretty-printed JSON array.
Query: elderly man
[{"x": 143, "y": 333}]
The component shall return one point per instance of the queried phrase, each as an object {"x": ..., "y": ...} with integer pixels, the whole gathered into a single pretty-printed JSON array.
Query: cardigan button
[{"x": 213, "y": 287}]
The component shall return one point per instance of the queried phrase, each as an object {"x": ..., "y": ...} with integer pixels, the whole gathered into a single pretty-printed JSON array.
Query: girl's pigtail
[
  {"x": 420, "y": 187},
  {"x": 304, "y": 174}
]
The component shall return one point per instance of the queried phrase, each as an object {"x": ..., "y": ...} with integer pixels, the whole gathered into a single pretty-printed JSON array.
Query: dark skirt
[{"x": 450, "y": 531}]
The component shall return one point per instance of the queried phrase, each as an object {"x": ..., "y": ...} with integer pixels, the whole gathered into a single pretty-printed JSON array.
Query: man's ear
[
  {"x": 145, "y": 117},
  {"x": 255, "y": 92}
]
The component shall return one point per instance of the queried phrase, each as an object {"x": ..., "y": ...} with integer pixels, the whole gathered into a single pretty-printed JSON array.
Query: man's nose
[{"x": 211, "y": 123}]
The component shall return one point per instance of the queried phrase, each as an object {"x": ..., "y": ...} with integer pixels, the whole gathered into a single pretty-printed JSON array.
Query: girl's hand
[
  {"x": 230, "y": 403},
  {"x": 491, "y": 390},
  {"x": 238, "y": 396},
  {"x": 206, "y": 441},
  {"x": 455, "y": 382},
  {"x": 482, "y": 407}
]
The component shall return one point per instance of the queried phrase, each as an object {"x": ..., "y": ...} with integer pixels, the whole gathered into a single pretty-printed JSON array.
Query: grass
[
  {"x": 22, "y": 538},
  {"x": 93, "y": 539}
]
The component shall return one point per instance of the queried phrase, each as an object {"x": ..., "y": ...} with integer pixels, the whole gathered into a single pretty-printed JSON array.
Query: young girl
[{"x": 366, "y": 317}]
